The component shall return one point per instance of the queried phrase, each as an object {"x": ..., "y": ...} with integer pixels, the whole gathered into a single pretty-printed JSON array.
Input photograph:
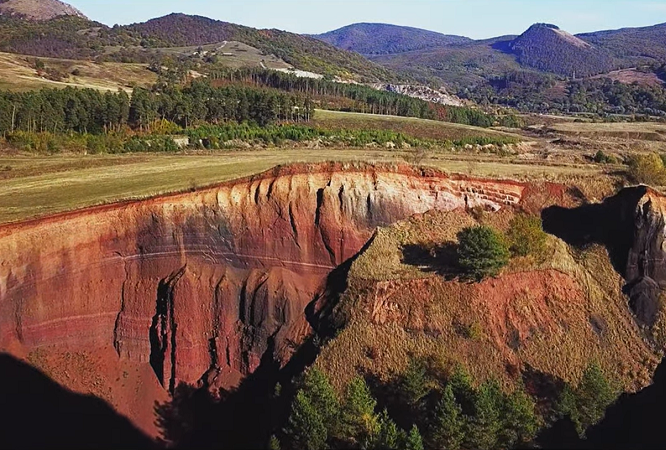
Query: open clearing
[
  {"x": 424, "y": 129},
  {"x": 42, "y": 185},
  {"x": 17, "y": 73}
]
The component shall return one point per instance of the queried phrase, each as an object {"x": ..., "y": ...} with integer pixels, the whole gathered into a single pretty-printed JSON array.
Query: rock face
[{"x": 204, "y": 285}]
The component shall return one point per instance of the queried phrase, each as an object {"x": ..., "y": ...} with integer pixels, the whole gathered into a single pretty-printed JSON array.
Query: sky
[{"x": 473, "y": 18}]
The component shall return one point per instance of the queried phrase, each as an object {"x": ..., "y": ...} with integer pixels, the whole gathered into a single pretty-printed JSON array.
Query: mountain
[
  {"x": 548, "y": 49},
  {"x": 542, "y": 49},
  {"x": 38, "y": 9},
  {"x": 381, "y": 39}
]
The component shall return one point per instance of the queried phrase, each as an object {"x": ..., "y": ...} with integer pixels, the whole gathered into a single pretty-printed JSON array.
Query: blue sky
[{"x": 473, "y": 18}]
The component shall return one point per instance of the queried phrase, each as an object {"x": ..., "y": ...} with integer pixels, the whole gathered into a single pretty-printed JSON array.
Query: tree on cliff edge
[{"x": 482, "y": 252}]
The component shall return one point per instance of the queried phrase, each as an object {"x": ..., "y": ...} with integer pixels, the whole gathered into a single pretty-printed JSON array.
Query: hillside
[
  {"x": 38, "y": 9},
  {"x": 637, "y": 45},
  {"x": 79, "y": 38},
  {"x": 454, "y": 66},
  {"x": 548, "y": 49},
  {"x": 381, "y": 39}
]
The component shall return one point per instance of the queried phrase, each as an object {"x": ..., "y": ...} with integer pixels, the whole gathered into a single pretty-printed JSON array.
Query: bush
[
  {"x": 603, "y": 158},
  {"x": 647, "y": 169},
  {"x": 526, "y": 236},
  {"x": 482, "y": 252}
]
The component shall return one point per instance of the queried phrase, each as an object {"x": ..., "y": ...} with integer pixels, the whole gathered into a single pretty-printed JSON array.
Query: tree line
[
  {"x": 363, "y": 99},
  {"x": 91, "y": 111},
  {"x": 421, "y": 410}
]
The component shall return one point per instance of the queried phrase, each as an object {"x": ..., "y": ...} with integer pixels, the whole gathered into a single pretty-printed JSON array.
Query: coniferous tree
[
  {"x": 448, "y": 429},
  {"x": 414, "y": 440},
  {"x": 359, "y": 423},
  {"x": 306, "y": 428},
  {"x": 520, "y": 422},
  {"x": 390, "y": 436},
  {"x": 484, "y": 426}
]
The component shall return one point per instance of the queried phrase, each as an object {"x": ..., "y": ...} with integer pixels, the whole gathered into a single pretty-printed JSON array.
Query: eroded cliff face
[{"x": 203, "y": 285}]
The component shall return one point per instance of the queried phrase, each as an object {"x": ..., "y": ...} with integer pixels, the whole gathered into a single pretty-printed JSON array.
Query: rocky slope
[
  {"x": 596, "y": 294},
  {"x": 200, "y": 287},
  {"x": 38, "y": 9}
]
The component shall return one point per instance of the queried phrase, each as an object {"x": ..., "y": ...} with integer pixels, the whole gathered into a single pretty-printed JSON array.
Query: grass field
[
  {"x": 649, "y": 131},
  {"x": 424, "y": 129},
  {"x": 41, "y": 185},
  {"x": 18, "y": 74}
]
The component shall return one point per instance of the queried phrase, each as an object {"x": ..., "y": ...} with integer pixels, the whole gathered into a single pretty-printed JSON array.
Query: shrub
[
  {"x": 603, "y": 158},
  {"x": 482, "y": 252},
  {"x": 526, "y": 236},
  {"x": 647, "y": 169}
]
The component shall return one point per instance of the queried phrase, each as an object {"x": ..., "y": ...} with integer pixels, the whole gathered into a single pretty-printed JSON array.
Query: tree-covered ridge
[
  {"x": 379, "y": 38},
  {"x": 636, "y": 46},
  {"x": 77, "y": 38}
]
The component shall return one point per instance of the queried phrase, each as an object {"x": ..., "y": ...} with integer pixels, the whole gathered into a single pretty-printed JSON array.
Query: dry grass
[
  {"x": 424, "y": 129},
  {"x": 17, "y": 73},
  {"x": 648, "y": 131},
  {"x": 41, "y": 185},
  {"x": 541, "y": 313}
]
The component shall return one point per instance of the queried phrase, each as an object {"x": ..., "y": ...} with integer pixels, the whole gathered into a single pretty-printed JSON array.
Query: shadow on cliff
[
  {"x": 39, "y": 413},
  {"x": 243, "y": 418},
  {"x": 611, "y": 224},
  {"x": 442, "y": 259}
]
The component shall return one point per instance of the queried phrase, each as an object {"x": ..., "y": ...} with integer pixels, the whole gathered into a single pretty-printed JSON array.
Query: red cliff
[{"x": 200, "y": 286}]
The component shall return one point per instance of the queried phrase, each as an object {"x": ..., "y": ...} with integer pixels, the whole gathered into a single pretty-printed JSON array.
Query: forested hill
[
  {"x": 78, "y": 38},
  {"x": 547, "y": 48},
  {"x": 633, "y": 45},
  {"x": 303, "y": 52},
  {"x": 380, "y": 39}
]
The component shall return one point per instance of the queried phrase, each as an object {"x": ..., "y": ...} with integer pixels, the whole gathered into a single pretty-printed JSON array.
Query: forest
[
  {"x": 533, "y": 92},
  {"x": 426, "y": 406}
]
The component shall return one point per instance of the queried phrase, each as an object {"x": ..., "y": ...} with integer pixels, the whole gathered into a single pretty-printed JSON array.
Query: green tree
[
  {"x": 485, "y": 424},
  {"x": 594, "y": 395},
  {"x": 306, "y": 428},
  {"x": 414, "y": 440},
  {"x": 586, "y": 405},
  {"x": 359, "y": 423},
  {"x": 526, "y": 236},
  {"x": 462, "y": 387},
  {"x": 274, "y": 443},
  {"x": 448, "y": 430},
  {"x": 482, "y": 252},
  {"x": 520, "y": 422},
  {"x": 322, "y": 396},
  {"x": 390, "y": 436},
  {"x": 414, "y": 383}
]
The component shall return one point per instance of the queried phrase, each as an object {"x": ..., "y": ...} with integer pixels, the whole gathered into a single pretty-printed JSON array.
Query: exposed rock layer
[{"x": 201, "y": 285}]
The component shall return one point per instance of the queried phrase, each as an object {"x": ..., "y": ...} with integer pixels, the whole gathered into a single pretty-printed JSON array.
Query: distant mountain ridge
[
  {"x": 38, "y": 9},
  {"x": 543, "y": 48},
  {"x": 380, "y": 39}
]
